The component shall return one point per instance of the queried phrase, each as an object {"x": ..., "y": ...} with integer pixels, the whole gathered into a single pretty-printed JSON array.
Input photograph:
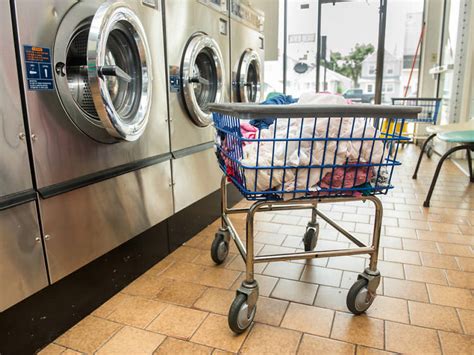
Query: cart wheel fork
[{"x": 373, "y": 281}]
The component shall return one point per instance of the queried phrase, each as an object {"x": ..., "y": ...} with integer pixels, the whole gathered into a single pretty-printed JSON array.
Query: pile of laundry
[{"x": 320, "y": 167}]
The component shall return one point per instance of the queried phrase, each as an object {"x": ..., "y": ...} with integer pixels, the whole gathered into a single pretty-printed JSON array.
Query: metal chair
[
  {"x": 434, "y": 130},
  {"x": 463, "y": 137}
]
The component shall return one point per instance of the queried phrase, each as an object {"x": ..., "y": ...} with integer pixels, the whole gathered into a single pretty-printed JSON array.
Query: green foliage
[{"x": 351, "y": 64}]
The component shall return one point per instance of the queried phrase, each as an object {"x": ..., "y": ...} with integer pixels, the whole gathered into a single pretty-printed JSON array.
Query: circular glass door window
[
  {"x": 249, "y": 77},
  {"x": 106, "y": 70},
  {"x": 202, "y": 78}
]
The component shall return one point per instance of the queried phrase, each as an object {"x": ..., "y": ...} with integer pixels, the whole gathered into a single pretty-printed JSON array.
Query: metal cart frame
[
  {"x": 249, "y": 286},
  {"x": 363, "y": 292}
]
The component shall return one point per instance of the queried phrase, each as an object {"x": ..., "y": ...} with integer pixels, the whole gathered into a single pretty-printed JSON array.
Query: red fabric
[{"x": 350, "y": 176}]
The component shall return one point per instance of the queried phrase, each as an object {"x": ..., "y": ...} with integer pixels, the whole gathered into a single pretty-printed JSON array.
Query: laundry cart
[
  {"x": 429, "y": 115},
  {"x": 307, "y": 156}
]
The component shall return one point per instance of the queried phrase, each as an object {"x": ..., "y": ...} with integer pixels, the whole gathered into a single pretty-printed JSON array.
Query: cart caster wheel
[
  {"x": 358, "y": 298},
  {"x": 240, "y": 316},
  {"x": 310, "y": 238},
  {"x": 429, "y": 152},
  {"x": 219, "y": 249}
]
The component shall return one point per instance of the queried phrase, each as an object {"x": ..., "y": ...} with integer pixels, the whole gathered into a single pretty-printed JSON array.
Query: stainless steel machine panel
[
  {"x": 62, "y": 145},
  {"x": 195, "y": 177},
  {"x": 15, "y": 173},
  {"x": 191, "y": 26},
  {"x": 246, "y": 52},
  {"x": 83, "y": 224},
  {"x": 22, "y": 267}
]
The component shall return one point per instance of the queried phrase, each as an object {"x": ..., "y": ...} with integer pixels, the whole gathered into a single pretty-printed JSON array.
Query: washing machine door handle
[
  {"x": 114, "y": 70},
  {"x": 199, "y": 80}
]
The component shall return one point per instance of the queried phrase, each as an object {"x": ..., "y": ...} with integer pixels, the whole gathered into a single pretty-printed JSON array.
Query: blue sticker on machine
[
  {"x": 175, "y": 83},
  {"x": 39, "y": 71}
]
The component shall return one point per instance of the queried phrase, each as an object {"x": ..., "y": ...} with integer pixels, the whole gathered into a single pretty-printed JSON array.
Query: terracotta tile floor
[{"x": 425, "y": 302}]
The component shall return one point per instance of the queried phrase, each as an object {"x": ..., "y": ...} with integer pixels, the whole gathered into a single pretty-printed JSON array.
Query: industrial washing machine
[
  {"x": 95, "y": 90},
  {"x": 197, "y": 42},
  {"x": 22, "y": 266},
  {"x": 246, "y": 52}
]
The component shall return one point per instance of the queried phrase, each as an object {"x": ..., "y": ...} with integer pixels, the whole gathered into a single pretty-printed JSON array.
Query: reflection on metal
[
  {"x": 122, "y": 105},
  {"x": 61, "y": 152},
  {"x": 246, "y": 53},
  {"x": 86, "y": 223},
  {"x": 202, "y": 77},
  {"x": 190, "y": 183},
  {"x": 15, "y": 173},
  {"x": 22, "y": 268},
  {"x": 250, "y": 77},
  {"x": 89, "y": 56}
]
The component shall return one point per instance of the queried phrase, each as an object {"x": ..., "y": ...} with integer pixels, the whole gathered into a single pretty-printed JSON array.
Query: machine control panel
[{"x": 39, "y": 72}]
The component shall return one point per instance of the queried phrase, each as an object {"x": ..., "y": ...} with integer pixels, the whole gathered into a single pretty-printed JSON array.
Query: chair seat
[
  {"x": 457, "y": 136},
  {"x": 466, "y": 126}
]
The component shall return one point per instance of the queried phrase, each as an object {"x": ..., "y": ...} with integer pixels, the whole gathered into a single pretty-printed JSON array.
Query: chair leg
[
  {"x": 469, "y": 162},
  {"x": 438, "y": 168},
  {"x": 421, "y": 154}
]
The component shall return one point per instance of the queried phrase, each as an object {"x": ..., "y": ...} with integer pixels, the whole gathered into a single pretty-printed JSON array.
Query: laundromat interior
[{"x": 236, "y": 176}]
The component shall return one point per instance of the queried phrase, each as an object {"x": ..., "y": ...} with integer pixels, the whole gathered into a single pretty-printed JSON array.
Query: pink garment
[{"x": 248, "y": 131}]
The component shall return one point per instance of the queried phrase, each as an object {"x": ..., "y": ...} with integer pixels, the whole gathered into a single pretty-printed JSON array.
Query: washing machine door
[
  {"x": 103, "y": 71},
  {"x": 249, "y": 77},
  {"x": 119, "y": 70},
  {"x": 202, "y": 77}
]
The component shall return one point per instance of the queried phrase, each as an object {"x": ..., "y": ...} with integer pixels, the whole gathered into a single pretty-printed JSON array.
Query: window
[
  {"x": 304, "y": 6},
  {"x": 389, "y": 70},
  {"x": 372, "y": 69},
  {"x": 408, "y": 61},
  {"x": 387, "y": 88},
  {"x": 370, "y": 88}
]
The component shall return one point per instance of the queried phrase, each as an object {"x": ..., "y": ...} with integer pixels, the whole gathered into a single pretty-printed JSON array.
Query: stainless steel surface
[
  {"x": 15, "y": 173},
  {"x": 185, "y": 18},
  {"x": 86, "y": 223},
  {"x": 195, "y": 176},
  {"x": 117, "y": 38},
  {"x": 22, "y": 268},
  {"x": 203, "y": 77},
  {"x": 313, "y": 254},
  {"x": 246, "y": 52},
  {"x": 62, "y": 152},
  {"x": 104, "y": 104},
  {"x": 249, "y": 77}
]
